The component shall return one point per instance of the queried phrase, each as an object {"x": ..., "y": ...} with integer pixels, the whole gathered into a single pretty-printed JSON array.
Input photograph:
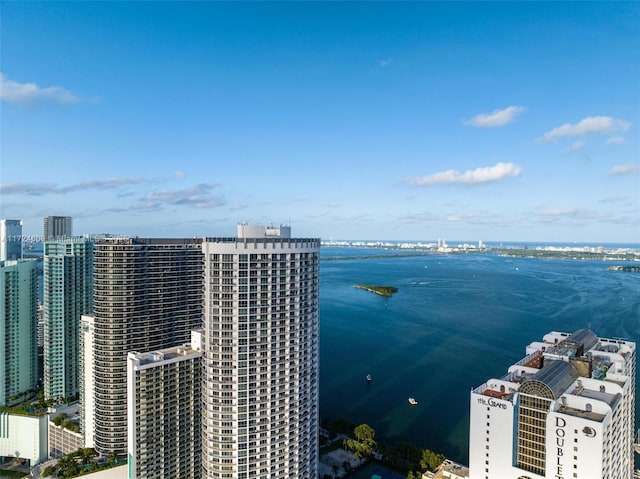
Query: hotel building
[
  {"x": 163, "y": 401},
  {"x": 260, "y": 388},
  {"x": 68, "y": 294},
  {"x": 566, "y": 410},
  {"x": 18, "y": 330},
  {"x": 147, "y": 297}
]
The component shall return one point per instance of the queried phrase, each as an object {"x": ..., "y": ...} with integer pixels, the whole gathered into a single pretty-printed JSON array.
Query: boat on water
[
  {"x": 368, "y": 378},
  {"x": 412, "y": 401}
]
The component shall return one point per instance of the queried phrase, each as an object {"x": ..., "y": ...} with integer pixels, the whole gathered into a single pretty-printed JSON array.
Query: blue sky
[{"x": 415, "y": 121}]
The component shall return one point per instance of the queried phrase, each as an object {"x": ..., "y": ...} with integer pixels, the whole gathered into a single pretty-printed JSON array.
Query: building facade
[
  {"x": 87, "y": 383},
  {"x": 147, "y": 296},
  {"x": 18, "y": 328},
  {"x": 566, "y": 410},
  {"x": 10, "y": 240},
  {"x": 260, "y": 389},
  {"x": 163, "y": 403},
  {"x": 24, "y": 437},
  {"x": 56, "y": 227},
  {"x": 68, "y": 294}
]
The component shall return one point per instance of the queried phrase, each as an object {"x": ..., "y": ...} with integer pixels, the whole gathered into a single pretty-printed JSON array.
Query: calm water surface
[{"x": 456, "y": 321}]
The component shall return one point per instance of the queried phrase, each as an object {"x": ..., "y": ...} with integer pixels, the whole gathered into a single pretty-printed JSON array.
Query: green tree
[
  {"x": 431, "y": 460},
  {"x": 365, "y": 433},
  {"x": 86, "y": 454},
  {"x": 364, "y": 444},
  {"x": 49, "y": 470},
  {"x": 59, "y": 419},
  {"x": 410, "y": 475}
]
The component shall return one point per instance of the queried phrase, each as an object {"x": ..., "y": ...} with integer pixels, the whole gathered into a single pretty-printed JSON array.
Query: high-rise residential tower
[
  {"x": 163, "y": 401},
  {"x": 10, "y": 239},
  {"x": 566, "y": 410},
  {"x": 68, "y": 294},
  {"x": 147, "y": 296},
  {"x": 57, "y": 227},
  {"x": 260, "y": 389},
  {"x": 18, "y": 329},
  {"x": 87, "y": 383}
]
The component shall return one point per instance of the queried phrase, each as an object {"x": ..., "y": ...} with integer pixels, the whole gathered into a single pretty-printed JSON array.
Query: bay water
[{"x": 456, "y": 321}]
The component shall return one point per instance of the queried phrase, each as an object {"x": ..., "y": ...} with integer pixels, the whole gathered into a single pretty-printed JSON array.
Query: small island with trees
[{"x": 381, "y": 290}]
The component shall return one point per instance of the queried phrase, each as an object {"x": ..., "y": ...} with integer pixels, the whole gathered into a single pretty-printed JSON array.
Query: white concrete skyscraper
[
  {"x": 163, "y": 402},
  {"x": 566, "y": 410},
  {"x": 260, "y": 355}
]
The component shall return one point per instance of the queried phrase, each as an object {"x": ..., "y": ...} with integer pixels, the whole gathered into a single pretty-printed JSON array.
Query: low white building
[
  {"x": 566, "y": 410},
  {"x": 24, "y": 437}
]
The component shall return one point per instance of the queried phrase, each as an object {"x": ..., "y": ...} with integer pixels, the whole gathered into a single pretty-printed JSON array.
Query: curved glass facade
[{"x": 147, "y": 296}]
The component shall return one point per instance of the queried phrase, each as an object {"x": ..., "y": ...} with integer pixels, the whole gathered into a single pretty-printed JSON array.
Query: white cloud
[
  {"x": 33, "y": 189},
  {"x": 385, "y": 63},
  {"x": 581, "y": 216},
  {"x": 36, "y": 189},
  {"x": 318, "y": 214},
  {"x": 485, "y": 174},
  {"x": 591, "y": 124},
  {"x": 417, "y": 218},
  {"x": 496, "y": 118},
  {"x": 100, "y": 184},
  {"x": 578, "y": 145},
  {"x": 471, "y": 217},
  {"x": 30, "y": 94},
  {"x": 179, "y": 174},
  {"x": 199, "y": 196},
  {"x": 625, "y": 169},
  {"x": 615, "y": 140},
  {"x": 237, "y": 207}
]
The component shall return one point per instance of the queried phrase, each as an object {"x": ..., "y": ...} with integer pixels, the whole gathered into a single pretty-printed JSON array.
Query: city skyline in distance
[{"x": 501, "y": 122}]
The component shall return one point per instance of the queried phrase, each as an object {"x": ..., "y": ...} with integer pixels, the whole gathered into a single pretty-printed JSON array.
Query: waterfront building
[
  {"x": 260, "y": 388},
  {"x": 566, "y": 410},
  {"x": 18, "y": 330},
  {"x": 163, "y": 403},
  {"x": 57, "y": 227},
  {"x": 147, "y": 296},
  {"x": 68, "y": 294},
  {"x": 10, "y": 239}
]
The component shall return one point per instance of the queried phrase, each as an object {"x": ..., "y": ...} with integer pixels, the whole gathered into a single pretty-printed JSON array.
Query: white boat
[
  {"x": 412, "y": 401},
  {"x": 368, "y": 377}
]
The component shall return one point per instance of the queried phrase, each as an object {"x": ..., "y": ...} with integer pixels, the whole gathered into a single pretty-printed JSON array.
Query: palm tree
[{"x": 86, "y": 454}]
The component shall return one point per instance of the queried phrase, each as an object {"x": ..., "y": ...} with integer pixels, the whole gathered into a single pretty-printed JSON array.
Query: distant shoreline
[{"x": 570, "y": 254}]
